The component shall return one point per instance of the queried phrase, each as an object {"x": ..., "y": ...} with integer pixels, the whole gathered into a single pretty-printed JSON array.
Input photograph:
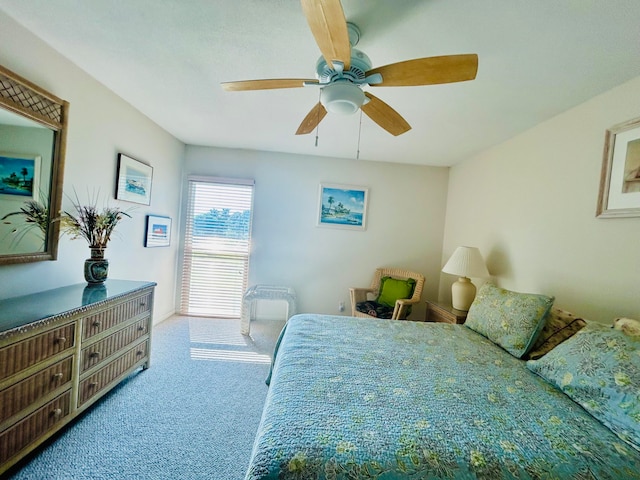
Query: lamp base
[{"x": 462, "y": 294}]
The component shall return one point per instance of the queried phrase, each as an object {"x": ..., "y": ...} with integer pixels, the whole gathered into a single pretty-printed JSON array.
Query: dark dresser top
[{"x": 16, "y": 312}]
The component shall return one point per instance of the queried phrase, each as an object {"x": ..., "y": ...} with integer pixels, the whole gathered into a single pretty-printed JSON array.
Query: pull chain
[
  {"x": 318, "y": 123},
  {"x": 359, "y": 132}
]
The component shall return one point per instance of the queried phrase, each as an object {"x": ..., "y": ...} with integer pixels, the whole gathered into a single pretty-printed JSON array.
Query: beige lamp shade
[{"x": 465, "y": 262}]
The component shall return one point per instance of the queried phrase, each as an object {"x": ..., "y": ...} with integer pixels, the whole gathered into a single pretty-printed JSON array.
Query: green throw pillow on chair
[{"x": 392, "y": 289}]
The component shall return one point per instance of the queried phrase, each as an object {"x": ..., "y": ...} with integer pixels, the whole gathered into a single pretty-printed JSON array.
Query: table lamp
[{"x": 465, "y": 262}]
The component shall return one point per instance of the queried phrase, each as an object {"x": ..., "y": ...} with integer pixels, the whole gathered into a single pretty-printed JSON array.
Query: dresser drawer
[
  {"x": 30, "y": 429},
  {"x": 93, "y": 384},
  {"x": 95, "y": 324},
  {"x": 28, "y": 391},
  {"x": 106, "y": 347},
  {"x": 23, "y": 354}
]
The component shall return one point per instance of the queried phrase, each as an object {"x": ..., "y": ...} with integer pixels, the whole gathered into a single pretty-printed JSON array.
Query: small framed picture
[
  {"x": 134, "y": 180},
  {"x": 20, "y": 176},
  {"x": 158, "y": 231},
  {"x": 619, "y": 194},
  {"x": 342, "y": 206}
]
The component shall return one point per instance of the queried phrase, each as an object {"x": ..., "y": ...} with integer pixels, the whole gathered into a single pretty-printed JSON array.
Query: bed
[{"x": 354, "y": 398}]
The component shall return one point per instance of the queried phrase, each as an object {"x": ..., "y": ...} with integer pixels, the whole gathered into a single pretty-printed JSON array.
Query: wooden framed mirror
[{"x": 33, "y": 128}]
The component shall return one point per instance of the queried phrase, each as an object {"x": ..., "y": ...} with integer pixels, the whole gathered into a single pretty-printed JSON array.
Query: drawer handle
[
  {"x": 140, "y": 328},
  {"x": 139, "y": 352},
  {"x": 93, "y": 384},
  {"x": 143, "y": 304},
  {"x": 61, "y": 340},
  {"x": 57, "y": 376},
  {"x": 94, "y": 354},
  {"x": 56, "y": 413},
  {"x": 96, "y": 323}
]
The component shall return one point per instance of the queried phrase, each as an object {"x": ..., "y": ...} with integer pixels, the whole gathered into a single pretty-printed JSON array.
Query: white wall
[
  {"x": 100, "y": 126},
  {"x": 529, "y": 205},
  {"x": 404, "y": 226}
]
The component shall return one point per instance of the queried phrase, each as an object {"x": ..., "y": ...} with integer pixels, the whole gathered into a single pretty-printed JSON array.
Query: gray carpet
[{"x": 192, "y": 415}]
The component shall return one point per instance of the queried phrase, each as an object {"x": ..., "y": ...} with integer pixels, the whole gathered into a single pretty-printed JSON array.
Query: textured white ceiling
[{"x": 168, "y": 57}]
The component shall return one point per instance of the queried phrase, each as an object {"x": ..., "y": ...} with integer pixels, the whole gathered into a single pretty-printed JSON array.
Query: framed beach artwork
[
  {"x": 19, "y": 176},
  {"x": 619, "y": 194},
  {"x": 158, "y": 231},
  {"x": 133, "y": 182},
  {"x": 342, "y": 206}
]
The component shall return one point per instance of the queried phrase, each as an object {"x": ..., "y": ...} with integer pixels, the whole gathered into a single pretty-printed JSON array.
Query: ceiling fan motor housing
[{"x": 360, "y": 64}]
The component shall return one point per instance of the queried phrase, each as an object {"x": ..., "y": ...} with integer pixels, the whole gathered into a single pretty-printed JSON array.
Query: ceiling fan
[{"x": 342, "y": 72}]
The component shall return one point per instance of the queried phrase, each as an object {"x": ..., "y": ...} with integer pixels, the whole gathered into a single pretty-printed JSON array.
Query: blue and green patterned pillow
[
  {"x": 512, "y": 320},
  {"x": 599, "y": 368}
]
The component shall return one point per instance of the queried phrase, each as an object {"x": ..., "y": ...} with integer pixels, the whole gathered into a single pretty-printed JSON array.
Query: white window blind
[{"x": 217, "y": 244}]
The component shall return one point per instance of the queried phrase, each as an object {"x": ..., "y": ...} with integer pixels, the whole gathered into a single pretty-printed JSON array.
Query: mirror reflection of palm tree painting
[
  {"x": 19, "y": 174},
  {"x": 631, "y": 181},
  {"x": 343, "y": 206},
  {"x": 134, "y": 180}
]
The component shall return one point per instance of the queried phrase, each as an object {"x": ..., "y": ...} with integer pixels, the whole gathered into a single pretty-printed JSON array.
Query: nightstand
[{"x": 439, "y": 312}]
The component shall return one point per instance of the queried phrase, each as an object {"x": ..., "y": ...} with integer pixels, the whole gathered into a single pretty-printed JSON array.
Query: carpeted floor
[{"x": 192, "y": 415}]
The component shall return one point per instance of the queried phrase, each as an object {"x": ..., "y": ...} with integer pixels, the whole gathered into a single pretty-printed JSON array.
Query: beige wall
[
  {"x": 404, "y": 226},
  {"x": 100, "y": 125},
  {"x": 529, "y": 205}
]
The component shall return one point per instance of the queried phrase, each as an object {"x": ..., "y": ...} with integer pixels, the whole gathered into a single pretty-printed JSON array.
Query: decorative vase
[{"x": 96, "y": 268}]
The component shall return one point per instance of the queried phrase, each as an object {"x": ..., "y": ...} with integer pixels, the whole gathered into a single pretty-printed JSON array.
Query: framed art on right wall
[{"x": 619, "y": 194}]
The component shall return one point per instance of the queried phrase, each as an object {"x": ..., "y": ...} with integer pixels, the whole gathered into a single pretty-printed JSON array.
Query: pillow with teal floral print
[
  {"x": 599, "y": 368},
  {"x": 512, "y": 320}
]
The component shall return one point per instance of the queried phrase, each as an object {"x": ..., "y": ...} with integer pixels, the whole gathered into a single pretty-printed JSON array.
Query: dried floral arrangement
[{"x": 95, "y": 226}]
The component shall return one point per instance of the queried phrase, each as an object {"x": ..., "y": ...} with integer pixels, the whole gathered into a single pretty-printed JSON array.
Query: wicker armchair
[{"x": 402, "y": 307}]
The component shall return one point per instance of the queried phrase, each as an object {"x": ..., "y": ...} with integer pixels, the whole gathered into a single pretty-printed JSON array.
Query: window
[{"x": 217, "y": 243}]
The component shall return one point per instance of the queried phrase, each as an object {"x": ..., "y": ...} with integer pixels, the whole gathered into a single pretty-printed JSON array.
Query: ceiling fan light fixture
[{"x": 342, "y": 97}]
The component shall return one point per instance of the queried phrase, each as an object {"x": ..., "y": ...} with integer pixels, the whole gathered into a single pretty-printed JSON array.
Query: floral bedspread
[{"x": 356, "y": 398}]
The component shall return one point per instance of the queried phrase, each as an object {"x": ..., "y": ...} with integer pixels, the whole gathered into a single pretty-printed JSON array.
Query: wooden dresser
[{"x": 61, "y": 350}]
